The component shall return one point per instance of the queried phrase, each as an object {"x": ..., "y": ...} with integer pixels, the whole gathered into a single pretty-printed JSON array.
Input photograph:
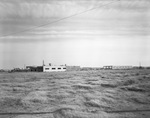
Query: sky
[{"x": 115, "y": 32}]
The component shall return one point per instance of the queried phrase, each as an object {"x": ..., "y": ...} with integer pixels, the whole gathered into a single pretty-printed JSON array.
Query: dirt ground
[{"x": 81, "y": 94}]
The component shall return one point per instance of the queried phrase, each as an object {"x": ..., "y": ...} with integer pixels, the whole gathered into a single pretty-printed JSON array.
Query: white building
[
  {"x": 122, "y": 67},
  {"x": 117, "y": 67},
  {"x": 50, "y": 68}
]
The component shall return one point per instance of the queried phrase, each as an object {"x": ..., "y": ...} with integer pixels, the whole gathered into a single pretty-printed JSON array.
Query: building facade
[
  {"x": 107, "y": 67},
  {"x": 117, "y": 67},
  {"x": 50, "y": 68},
  {"x": 122, "y": 67}
]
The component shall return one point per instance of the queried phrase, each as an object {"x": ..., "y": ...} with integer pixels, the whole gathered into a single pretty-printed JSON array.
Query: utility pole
[
  {"x": 140, "y": 67},
  {"x": 43, "y": 63},
  {"x": 139, "y": 64}
]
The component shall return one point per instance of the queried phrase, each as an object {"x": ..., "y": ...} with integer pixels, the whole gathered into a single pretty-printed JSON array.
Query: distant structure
[
  {"x": 107, "y": 67},
  {"x": 117, "y": 67},
  {"x": 46, "y": 68},
  {"x": 122, "y": 67},
  {"x": 90, "y": 68},
  {"x": 53, "y": 68},
  {"x": 35, "y": 68}
]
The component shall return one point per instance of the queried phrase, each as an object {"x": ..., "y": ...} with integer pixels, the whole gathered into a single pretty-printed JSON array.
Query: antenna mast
[{"x": 43, "y": 63}]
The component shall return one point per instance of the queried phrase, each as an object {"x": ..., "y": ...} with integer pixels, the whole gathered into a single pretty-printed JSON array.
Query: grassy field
[{"x": 81, "y": 94}]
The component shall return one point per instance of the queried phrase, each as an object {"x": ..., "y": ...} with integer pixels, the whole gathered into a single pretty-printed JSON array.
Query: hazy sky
[{"x": 116, "y": 34}]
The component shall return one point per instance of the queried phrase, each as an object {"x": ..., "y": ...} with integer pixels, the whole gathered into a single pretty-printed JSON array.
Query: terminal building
[
  {"x": 117, "y": 67},
  {"x": 46, "y": 68},
  {"x": 50, "y": 68},
  {"x": 122, "y": 67}
]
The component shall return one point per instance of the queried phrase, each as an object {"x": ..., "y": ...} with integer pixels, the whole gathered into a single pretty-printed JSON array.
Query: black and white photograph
[{"x": 74, "y": 58}]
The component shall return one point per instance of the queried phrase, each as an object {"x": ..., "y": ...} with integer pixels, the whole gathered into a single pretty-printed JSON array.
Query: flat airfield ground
[{"x": 76, "y": 94}]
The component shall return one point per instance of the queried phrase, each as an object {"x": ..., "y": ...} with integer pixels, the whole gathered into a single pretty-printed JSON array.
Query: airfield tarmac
[{"x": 76, "y": 94}]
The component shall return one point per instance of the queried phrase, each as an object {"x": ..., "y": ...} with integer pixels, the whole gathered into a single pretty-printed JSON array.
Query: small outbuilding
[
  {"x": 35, "y": 68},
  {"x": 107, "y": 67}
]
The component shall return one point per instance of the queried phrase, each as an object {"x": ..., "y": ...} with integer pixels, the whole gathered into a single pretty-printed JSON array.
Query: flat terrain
[{"x": 81, "y": 94}]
